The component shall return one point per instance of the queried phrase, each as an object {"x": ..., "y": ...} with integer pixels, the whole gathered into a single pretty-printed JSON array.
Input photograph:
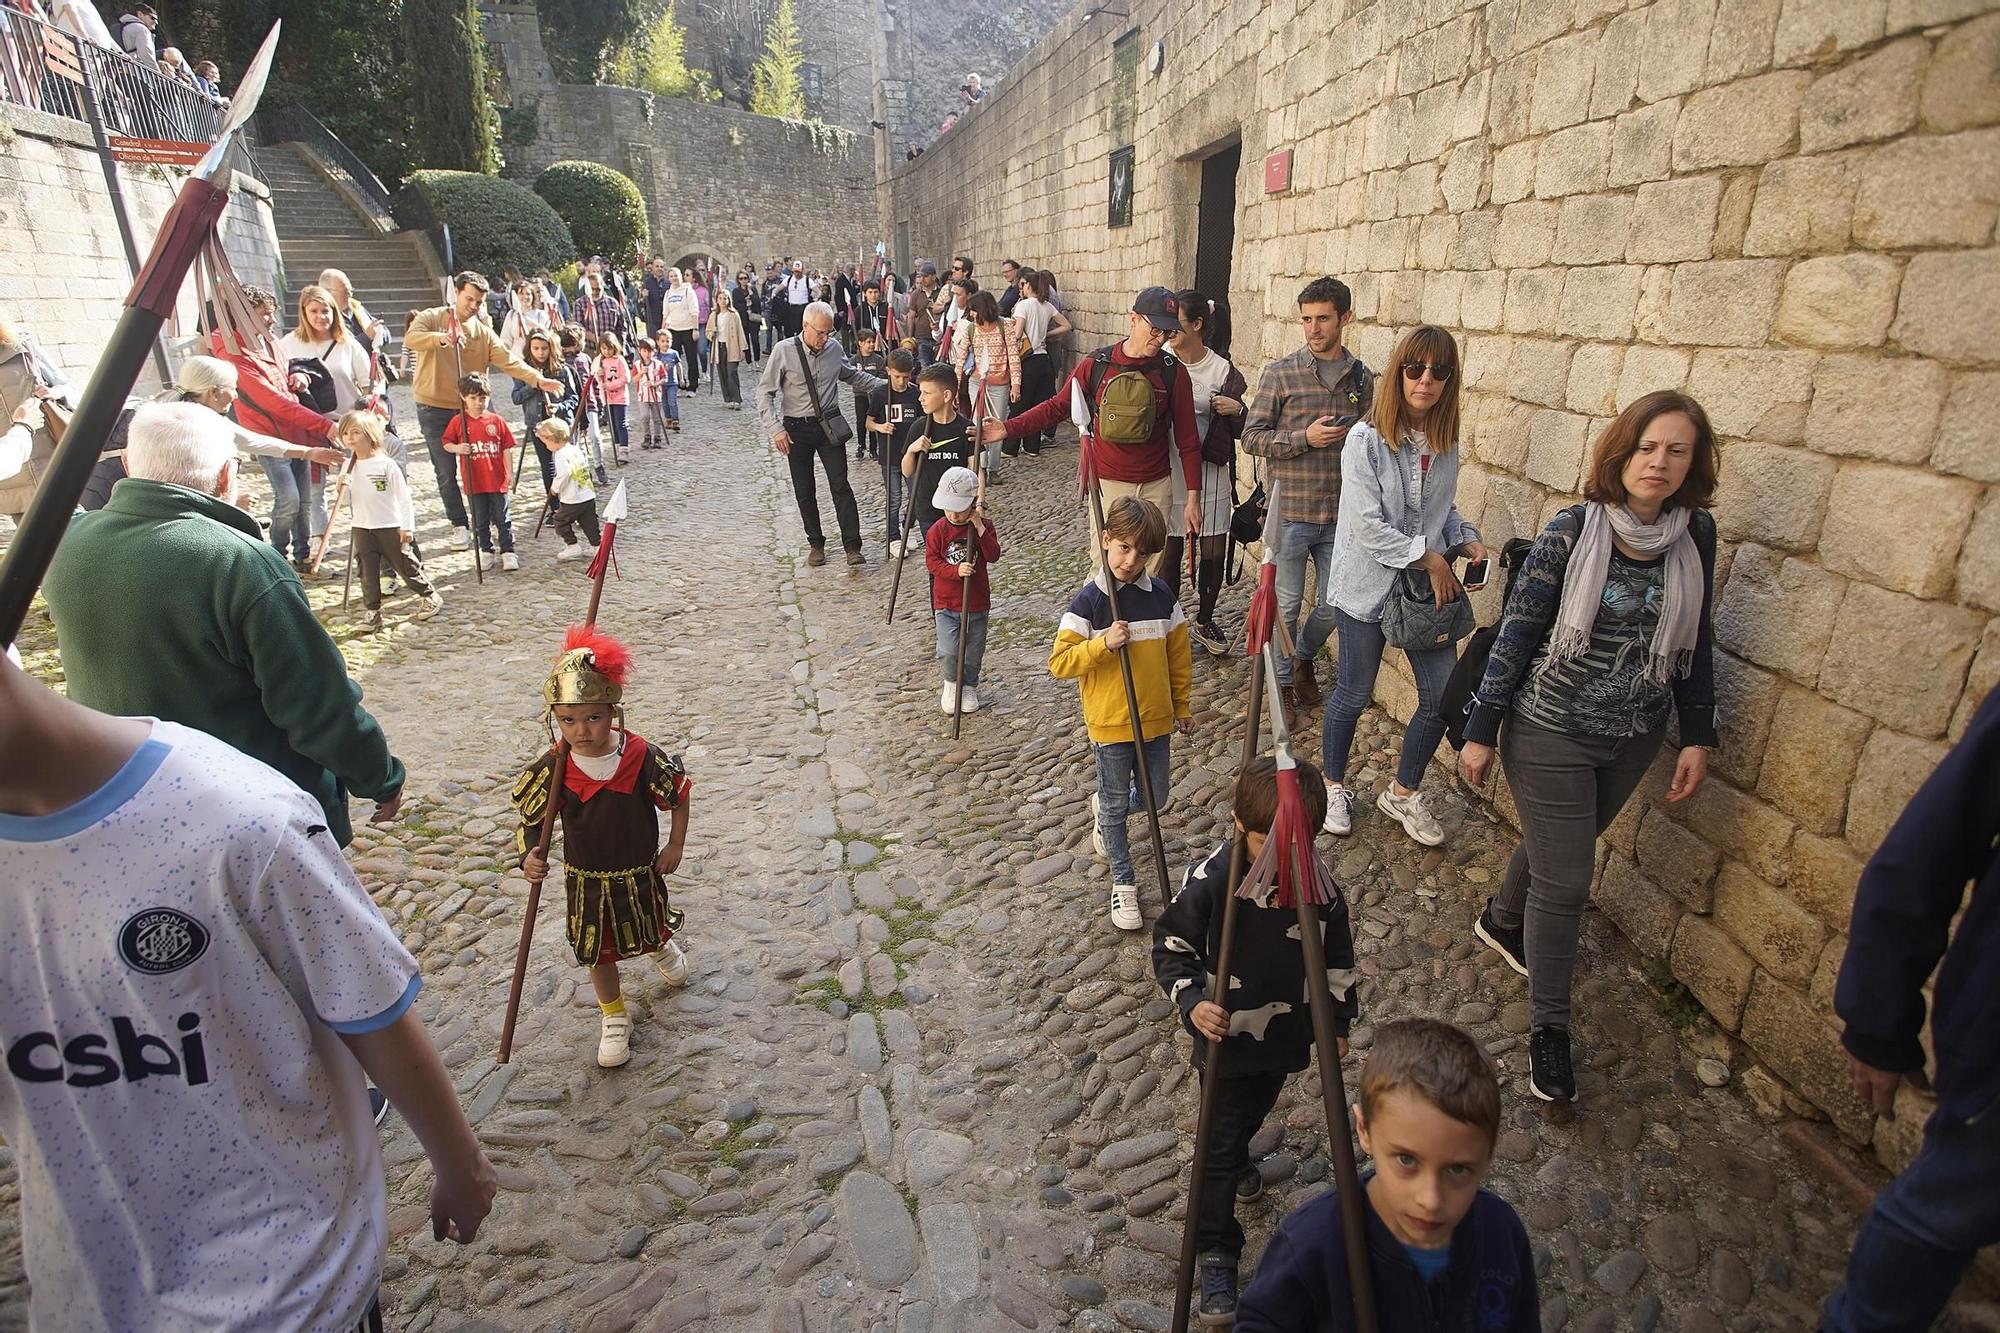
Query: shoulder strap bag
[{"x": 836, "y": 427}]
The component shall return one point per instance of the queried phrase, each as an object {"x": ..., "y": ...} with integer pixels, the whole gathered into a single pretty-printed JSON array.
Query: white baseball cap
[{"x": 957, "y": 490}]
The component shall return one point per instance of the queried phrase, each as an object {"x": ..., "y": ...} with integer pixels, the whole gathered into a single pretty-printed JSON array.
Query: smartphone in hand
[{"x": 1475, "y": 574}]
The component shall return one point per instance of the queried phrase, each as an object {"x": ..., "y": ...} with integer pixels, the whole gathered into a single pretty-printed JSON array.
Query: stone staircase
[{"x": 319, "y": 228}]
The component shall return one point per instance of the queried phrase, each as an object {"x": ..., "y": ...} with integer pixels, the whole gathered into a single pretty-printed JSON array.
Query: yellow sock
[{"x": 610, "y": 1007}]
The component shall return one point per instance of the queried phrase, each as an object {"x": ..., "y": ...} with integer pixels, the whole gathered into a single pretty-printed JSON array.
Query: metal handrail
[
  {"x": 295, "y": 124},
  {"x": 49, "y": 70}
]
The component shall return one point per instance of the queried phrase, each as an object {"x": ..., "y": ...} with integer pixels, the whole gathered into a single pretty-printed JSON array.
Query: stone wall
[
  {"x": 1785, "y": 207},
  {"x": 929, "y": 49},
  {"x": 63, "y": 271},
  {"x": 716, "y": 181}
]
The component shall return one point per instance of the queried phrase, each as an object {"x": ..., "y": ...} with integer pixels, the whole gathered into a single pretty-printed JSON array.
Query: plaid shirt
[
  {"x": 1291, "y": 396},
  {"x": 599, "y": 317}
]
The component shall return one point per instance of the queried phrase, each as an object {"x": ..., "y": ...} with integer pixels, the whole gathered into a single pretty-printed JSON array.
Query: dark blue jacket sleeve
[
  {"x": 1531, "y": 610},
  {"x": 1911, "y": 889},
  {"x": 1295, "y": 1285}
]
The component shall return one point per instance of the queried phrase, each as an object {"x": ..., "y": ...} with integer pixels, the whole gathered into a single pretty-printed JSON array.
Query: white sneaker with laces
[
  {"x": 944, "y": 698},
  {"x": 971, "y": 704},
  {"x": 1125, "y": 907},
  {"x": 1411, "y": 813},
  {"x": 432, "y": 605},
  {"x": 570, "y": 553},
  {"x": 614, "y": 1040},
  {"x": 508, "y": 560},
  {"x": 672, "y": 962},
  {"x": 1097, "y": 831},
  {"x": 1339, "y": 811},
  {"x": 462, "y": 535},
  {"x": 896, "y": 550}
]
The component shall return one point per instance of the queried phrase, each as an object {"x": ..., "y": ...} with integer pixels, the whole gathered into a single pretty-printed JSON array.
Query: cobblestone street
[{"x": 918, "y": 1082}]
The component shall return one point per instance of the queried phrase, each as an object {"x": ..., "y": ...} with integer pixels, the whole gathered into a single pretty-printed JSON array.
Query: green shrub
[
  {"x": 493, "y": 222},
  {"x": 603, "y": 208}
]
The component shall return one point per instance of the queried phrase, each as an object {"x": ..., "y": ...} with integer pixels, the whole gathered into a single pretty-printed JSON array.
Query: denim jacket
[{"x": 1392, "y": 510}]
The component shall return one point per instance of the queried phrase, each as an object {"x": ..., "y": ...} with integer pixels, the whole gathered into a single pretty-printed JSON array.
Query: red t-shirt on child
[{"x": 483, "y": 466}]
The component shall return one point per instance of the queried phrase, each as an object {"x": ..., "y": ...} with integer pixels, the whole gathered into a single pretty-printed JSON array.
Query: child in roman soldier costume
[{"x": 613, "y": 784}]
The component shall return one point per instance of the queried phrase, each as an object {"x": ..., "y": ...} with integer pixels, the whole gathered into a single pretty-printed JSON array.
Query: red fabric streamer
[
  {"x": 1289, "y": 846},
  {"x": 1263, "y": 615},
  {"x": 603, "y": 560}
]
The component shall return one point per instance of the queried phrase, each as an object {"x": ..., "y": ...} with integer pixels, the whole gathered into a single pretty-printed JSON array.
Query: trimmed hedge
[
  {"x": 603, "y": 208},
  {"x": 493, "y": 222}
]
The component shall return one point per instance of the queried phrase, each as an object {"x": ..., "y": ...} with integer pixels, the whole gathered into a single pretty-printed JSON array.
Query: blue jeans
[
  {"x": 1361, "y": 647},
  {"x": 893, "y": 482},
  {"x": 1117, "y": 796},
  {"x": 1924, "y": 1230},
  {"x": 1296, "y": 541},
  {"x": 433, "y": 421},
  {"x": 289, "y": 525},
  {"x": 947, "y": 639},
  {"x": 489, "y": 516}
]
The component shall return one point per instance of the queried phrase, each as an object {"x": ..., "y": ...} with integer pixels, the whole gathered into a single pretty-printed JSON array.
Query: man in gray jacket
[{"x": 796, "y": 398}]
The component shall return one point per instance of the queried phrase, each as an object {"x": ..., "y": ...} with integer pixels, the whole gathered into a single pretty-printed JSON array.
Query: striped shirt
[{"x": 1162, "y": 669}]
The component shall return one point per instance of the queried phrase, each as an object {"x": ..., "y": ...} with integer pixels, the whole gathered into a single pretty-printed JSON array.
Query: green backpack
[{"x": 1123, "y": 408}]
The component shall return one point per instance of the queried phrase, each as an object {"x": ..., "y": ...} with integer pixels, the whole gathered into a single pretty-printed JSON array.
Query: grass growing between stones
[
  {"x": 1019, "y": 631},
  {"x": 1676, "y": 1002},
  {"x": 1041, "y": 568},
  {"x": 823, "y": 995},
  {"x": 908, "y": 921}
]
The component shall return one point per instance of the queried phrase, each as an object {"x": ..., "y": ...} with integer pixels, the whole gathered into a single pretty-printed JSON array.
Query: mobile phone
[{"x": 1475, "y": 574}]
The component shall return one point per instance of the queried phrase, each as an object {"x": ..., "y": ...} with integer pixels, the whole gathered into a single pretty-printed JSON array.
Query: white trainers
[
  {"x": 1411, "y": 813},
  {"x": 1097, "y": 831},
  {"x": 462, "y": 535},
  {"x": 672, "y": 963},
  {"x": 896, "y": 550},
  {"x": 570, "y": 553},
  {"x": 508, "y": 560},
  {"x": 971, "y": 704},
  {"x": 1339, "y": 811},
  {"x": 945, "y": 699},
  {"x": 1125, "y": 907},
  {"x": 614, "y": 1040},
  {"x": 432, "y": 605}
]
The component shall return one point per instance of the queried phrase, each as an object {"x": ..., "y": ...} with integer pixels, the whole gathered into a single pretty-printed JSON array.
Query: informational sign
[
  {"x": 156, "y": 152},
  {"x": 1278, "y": 172}
]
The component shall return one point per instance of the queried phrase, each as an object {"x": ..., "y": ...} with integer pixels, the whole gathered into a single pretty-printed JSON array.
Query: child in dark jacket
[
  {"x": 1445, "y": 1254},
  {"x": 1266, "y": 1027}
]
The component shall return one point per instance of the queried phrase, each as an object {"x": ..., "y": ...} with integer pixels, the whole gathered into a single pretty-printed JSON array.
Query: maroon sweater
[
  {"x": 1135, "y": 463},
  {"x": 947, "y": 540}
]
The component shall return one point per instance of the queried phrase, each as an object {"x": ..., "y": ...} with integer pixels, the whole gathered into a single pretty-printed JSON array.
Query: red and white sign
[
  {"x": 1278, "y": 172},
  {"x": 160, "y": 152}
]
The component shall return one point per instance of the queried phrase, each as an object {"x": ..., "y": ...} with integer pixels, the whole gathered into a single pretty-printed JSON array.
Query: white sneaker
[
  {"x": 1097, "y": 831},
  {"x": 614, "y": 1040},
  {"x": 1125, "y": 907},
  {"x": 971, "y": 704},
  {"x": 944, "y": 698},
  {"x": 673, "y": 964},
  {"x": 896, "y": 550},
  {"x": 1410, "y": 812},
  {"x": 570, "y": 553},
  {"x": 508, "y": 560},
  {"x": 462, "y": 535},
  {"x": 432, "y": 605},
  {"x": 1339, "y": 811}
]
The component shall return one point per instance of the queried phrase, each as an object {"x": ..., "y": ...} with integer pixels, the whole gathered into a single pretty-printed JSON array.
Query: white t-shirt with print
[
  {"x": 378, "y": 496},
  {"x": 572, "y": 468},
  {"x": 178, "y": 954}
]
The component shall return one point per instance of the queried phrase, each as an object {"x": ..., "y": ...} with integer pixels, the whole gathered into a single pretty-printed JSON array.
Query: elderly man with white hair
[
  {"x": 169, "y": 603},
  {"x": 798, "y": 402}
]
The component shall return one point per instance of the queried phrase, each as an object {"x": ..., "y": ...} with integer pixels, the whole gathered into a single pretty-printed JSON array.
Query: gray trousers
[
  {"x": 376, "y": 547},
  {"x": 1568, "y": 789}
]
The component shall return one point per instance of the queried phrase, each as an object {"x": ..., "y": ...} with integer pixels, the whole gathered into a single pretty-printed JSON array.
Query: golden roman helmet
[{"x": 591, "y": 670}]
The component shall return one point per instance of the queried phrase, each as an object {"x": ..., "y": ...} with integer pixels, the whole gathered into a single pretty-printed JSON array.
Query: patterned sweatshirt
[{"x": 1162, "y": 670}]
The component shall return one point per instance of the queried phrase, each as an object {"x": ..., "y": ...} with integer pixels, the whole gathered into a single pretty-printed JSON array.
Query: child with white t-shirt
[
  {"x": 575, "y": 498},
  {"x": 383, "y": 519},
  {"x": 194, "y": 989}
]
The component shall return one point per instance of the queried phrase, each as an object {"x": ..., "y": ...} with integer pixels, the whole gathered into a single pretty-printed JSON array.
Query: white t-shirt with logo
[{"x": 178, "y": 954}]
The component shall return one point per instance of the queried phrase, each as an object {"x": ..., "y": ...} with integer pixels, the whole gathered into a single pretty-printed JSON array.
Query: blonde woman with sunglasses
[{"x": 1398, "y": 511}]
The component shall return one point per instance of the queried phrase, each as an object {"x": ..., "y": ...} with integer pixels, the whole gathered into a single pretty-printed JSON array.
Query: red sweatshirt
[
  {"x": 946, "y": 546},
  {"x": 1135, "y": 463},
  {"x": 264, "y": 404}
]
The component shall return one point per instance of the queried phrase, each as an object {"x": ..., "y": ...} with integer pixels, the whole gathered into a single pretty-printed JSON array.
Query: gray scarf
[{"x": 1672, "y": 650}]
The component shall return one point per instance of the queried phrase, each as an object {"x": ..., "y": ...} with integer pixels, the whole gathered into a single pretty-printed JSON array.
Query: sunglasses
[{"x": 1414, "y": 371}]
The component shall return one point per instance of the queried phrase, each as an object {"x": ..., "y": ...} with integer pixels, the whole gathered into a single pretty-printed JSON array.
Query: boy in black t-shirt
[
  {"x": 867, "y": 355},
  {"x": 892, "y": 415},
  {"x": 942, "y": 442}
]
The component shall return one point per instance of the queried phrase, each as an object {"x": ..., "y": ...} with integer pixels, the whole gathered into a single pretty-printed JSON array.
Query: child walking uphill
[
  {"x": 940, "y": 444},
  {"x": 1155, "y": 637},
  {"x": 572, "y": 497},
  {"x": 614, "y": 381},
  {"x": 892, "y": 415},
  {"x": 957, "y": 550},
  {"x": 1445, "y": 1254},
  {"x": 486, "y": 461},
  {"x": 651, "y": 377},
  {"x": 382, "y": 517},
  {"x": 1265, "y": 1029},
  {"x": 614, "y": 869}
]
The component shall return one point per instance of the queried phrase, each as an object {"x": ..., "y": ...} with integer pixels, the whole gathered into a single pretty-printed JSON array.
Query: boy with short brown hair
[{"x": 1444, "y": 1253}]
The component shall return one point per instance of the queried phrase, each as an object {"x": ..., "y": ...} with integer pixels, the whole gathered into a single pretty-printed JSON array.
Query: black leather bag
[
  {"x": 1413, "y": 621},
  {"x": 319, "y": 392},
  {"x": 1456, "y": 702},
  {"x": 1246, "y": 522}
]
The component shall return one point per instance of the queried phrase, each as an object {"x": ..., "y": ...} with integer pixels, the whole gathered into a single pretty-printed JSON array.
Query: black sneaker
[
  {"x": 1502, "y": 940},
  {"x": 1549, "y": 1074},
  {"x": 1218, "y": 1290},
  {"x": 1250, "y": 1185},
  {"x": 378, "y": 1105},
  {"x": 1210, "y": 637}
]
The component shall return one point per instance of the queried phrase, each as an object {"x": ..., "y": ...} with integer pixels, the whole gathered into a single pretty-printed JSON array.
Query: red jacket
[
  {"x": 1135, "y": 463},
  {"x": 947, "y": 587},
  {"x": 265, "y": 405}
]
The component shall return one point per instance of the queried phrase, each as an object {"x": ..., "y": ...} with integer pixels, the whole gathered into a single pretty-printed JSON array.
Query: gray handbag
[{"x": 1412, "y": 620}]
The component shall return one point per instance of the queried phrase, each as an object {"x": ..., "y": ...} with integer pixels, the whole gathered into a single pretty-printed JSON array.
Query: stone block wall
[
  {"x": 716, "y": 180},
  {"x": 1784, "y": 207},
  {"x": 63, "y": 270}
]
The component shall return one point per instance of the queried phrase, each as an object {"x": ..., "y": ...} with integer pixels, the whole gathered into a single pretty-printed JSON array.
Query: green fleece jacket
[{"x": 169, "y": 604}]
